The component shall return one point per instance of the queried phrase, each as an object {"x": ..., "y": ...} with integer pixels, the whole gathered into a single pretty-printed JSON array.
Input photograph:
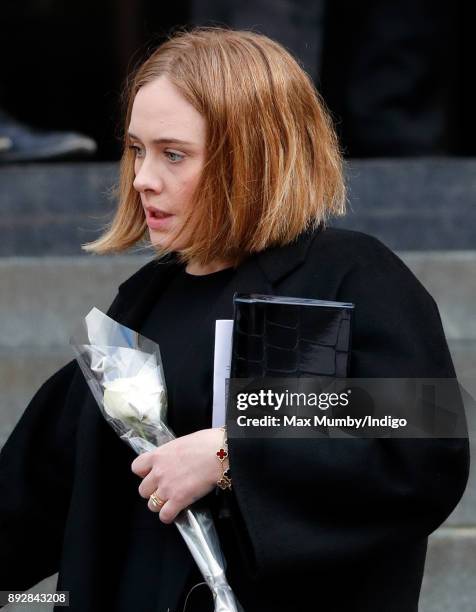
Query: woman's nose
[{"x": 147, "y": 178}]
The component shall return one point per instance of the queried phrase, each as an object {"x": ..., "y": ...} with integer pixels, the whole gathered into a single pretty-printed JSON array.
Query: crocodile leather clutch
[{"x": 290, "y": 337}]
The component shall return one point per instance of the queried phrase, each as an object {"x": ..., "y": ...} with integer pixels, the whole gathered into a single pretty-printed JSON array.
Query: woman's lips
[{"x": 157, "y": 219}]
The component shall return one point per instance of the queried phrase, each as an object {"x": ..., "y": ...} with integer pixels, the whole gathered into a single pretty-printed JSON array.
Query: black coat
[{"x": 326, "y": 524}]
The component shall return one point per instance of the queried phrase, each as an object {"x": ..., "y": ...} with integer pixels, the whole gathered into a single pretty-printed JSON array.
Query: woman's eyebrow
[{"x": 165, "y": 140}]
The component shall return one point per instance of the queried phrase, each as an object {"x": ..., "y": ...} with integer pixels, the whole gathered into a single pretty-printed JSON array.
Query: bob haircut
[{"x": 273, "y": 167}]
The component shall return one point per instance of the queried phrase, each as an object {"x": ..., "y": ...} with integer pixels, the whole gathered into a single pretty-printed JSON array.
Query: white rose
[{"x": 140, "y": 397}]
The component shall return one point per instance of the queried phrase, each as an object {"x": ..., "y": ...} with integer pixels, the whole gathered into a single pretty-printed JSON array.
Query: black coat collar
[
  {"x": 278, "y": 262},
  {"x": 263, "y": 269}
]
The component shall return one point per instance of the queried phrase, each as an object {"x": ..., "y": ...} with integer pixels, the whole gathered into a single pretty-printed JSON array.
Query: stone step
[
  {"x": 43, "y": 299},
  {"x": 410, "y": 204},
  {"x": 448, "y": 582},
  {"x": 414, "y": 204},
  {"x": 53, "y": 208},
  {"x": 450, "y": 277}
]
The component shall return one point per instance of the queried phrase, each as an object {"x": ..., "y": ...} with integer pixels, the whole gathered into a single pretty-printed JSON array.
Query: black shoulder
[
  {"x": 358, "y": 253},
  {"x": 364, "y": 247},
  {"x": 140, "y": 276}
]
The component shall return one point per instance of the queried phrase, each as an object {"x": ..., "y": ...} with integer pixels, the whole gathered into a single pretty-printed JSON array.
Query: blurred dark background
[{"x": 397, "y": 75}]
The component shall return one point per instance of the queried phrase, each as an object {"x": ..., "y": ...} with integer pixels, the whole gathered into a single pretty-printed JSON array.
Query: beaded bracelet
[{"x": 222, "y": 454}]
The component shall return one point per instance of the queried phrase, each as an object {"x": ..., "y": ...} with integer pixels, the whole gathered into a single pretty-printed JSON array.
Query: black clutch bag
[{"x": 290, "y": 337}]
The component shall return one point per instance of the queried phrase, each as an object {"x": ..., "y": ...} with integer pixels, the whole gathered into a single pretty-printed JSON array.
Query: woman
[{"x": 230, "y": 169}]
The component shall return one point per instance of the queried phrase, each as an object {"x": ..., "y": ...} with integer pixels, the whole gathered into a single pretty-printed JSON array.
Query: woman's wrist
[{"x": 224, "y": 481}]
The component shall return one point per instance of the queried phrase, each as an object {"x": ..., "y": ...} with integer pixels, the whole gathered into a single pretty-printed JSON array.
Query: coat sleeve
[
  {"x": 36, "y": 478},
  {"x": 35, "y": 482},
  {"x": 325, "y": 502}
]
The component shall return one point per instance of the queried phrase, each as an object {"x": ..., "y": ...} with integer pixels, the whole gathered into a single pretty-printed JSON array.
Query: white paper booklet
[{"x": 221, "y": 369}]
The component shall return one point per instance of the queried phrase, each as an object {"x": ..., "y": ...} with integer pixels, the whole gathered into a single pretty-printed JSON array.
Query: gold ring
[{"x": 155, "y": 499}]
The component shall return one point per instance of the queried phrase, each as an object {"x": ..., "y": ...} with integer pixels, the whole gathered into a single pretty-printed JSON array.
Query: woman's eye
[
  {"x": 136, "y": 150},
  {"x": 174, "y": 157}
]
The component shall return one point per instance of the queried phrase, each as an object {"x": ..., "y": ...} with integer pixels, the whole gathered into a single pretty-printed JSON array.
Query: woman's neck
[{"x": 198, "y": 269}]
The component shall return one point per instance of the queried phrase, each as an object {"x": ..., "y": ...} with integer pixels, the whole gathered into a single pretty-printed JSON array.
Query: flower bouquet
[{"x": 124, "y": 372}]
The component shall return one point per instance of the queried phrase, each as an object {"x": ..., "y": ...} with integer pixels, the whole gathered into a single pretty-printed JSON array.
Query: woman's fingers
[
  {"x": 156, "y": 502},
  {"x": 167, "y": 509},
  {"x": 148, "y": 485},
  {"x": 143, "y": 464},
  {"x": 184, "y": 470},
  {"x": 167, "y": 504}
]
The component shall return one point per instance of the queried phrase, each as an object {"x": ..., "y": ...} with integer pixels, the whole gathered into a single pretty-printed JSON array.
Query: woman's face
[{"x": 168, "y": 137}]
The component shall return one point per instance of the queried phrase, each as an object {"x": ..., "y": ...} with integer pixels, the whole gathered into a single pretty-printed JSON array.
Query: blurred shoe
[
  {"x": 28, "y": 144},
  {"x": 5, "y": 143}
]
